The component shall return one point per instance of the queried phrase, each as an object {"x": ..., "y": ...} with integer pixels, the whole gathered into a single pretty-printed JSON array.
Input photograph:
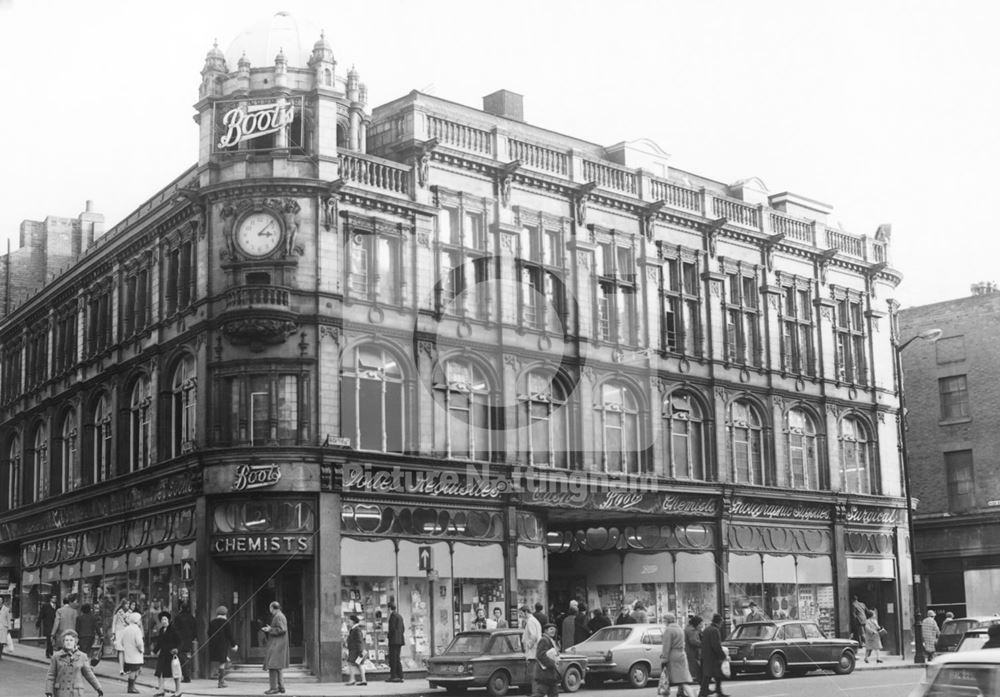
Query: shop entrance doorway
[
  {"x": 260, "y": 584},
  {"x": 879, "y": 595}
]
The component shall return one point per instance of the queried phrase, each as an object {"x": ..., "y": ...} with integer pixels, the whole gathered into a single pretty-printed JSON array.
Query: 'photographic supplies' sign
[{"x": 247, "y": 120}]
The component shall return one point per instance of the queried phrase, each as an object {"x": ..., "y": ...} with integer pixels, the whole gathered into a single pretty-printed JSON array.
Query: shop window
[
  {"x": 802, "y": 453},
  {"x": 745, "y": 433},
  {"x": 961, "y": 482},
  {"x": 682, "y": 442},
  {"x": 139, "y": 424},
  {"x": 183, "y": 406},
  {"x": 373, "y": 413},
  {"x": 545, "y": 410},
  {"x": 954, "y": 393},
  {"x": 617, "y": 417},
  {"x": 463, "y": 394},
  {"x": 857, "y": 458}
]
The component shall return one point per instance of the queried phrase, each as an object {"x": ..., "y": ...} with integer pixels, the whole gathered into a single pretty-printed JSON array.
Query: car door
[
  {"x": 821, "y": 649},
  {"x": 652, "y": 647},
  {"x": 508, "y": 654},
  {"x": 796, "y": 646}
]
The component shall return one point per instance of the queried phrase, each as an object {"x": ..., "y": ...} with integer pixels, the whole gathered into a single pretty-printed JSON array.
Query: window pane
[{"x": 288, "y": 409}]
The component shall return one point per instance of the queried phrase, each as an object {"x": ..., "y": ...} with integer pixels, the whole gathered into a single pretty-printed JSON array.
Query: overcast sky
[{"x": 886, "y": 110}]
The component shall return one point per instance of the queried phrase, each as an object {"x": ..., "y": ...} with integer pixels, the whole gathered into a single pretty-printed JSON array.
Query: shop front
[{"x": 871, "y": 543}]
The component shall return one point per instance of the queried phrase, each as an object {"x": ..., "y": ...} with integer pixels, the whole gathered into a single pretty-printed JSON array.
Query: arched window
[
  {"x": 342, "y": 136},
  {"x": 618, "y": 427},
  {"x": 327, "y": 77},
  {"x": 800, "y": 440},
  {"x": 683, "y": 441},
  {"x": 10, "y": 476},
  {"x": 545, "y": 411},
  {"x": 746, "y": 443},
  {"x": 39, "y": 464},
  {"x": 139, "y": 403},
  {"x": 183, "y": 406},
  {"x": 462, "y": 390},
  {"x": 100, "y": 452},
  {"x": 69, "y": 461},
  {"x": 856, "y": 457},
  {"x": 372, "y": 400}
]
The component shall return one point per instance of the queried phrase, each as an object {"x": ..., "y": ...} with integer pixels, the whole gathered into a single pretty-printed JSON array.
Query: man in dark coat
[
  {"x": 569, "y": 626},
  {"x": 540, "y": 615},
  {"x": 546, "y": 680},
  {"x": 47, "y": 618},
  {"x": 220, "y": 641},
  {"x": 712, "y": 657},
  {"x": 396, "y": 639},
  {"x": 187, "y": 630},
  {"x": 582, "y": 631}
]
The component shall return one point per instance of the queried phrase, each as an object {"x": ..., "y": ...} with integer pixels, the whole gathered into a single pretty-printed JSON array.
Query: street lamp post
[{"x": 928, "y": 335}]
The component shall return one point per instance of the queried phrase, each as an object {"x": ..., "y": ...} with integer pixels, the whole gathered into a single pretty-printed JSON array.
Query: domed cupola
[
  {"x": 283, "y": 32},
  {"x": 213, "y": 74},
  {"x": 322, "y": 62}
]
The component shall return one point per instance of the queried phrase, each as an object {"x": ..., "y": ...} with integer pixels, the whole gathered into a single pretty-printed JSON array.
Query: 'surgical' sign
[{"x": 248, "y": 121}]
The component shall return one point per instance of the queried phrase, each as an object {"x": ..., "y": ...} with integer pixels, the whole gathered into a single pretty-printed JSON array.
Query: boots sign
[{"x": 250, "y": 119}]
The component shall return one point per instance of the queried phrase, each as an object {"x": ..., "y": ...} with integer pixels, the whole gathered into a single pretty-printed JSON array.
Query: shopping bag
[
  {"x": 10, "y": 643},
  {"x": 725, "y": 669},
  {"x": 663, "y": 687},
  {"x": 175, "y": 668},
  {"x": 95, "y": 653}
]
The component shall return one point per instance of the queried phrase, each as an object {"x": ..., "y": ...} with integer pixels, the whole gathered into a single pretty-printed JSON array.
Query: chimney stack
[{"x": 505, "y": 103}]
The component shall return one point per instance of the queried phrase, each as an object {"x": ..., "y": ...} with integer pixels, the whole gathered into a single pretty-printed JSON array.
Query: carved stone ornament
[
  {"x": 580, "y": 203},
  {"x": 261, "y": 330},
  {"x": 327, "y": 330},
  {"x": 715, "y": 288},
  {"x": 424, "y": 161},
  {"x": 712, "y": 233},
  {"x": 583, "y": 259},
  {"x": 427, "y": 348}
]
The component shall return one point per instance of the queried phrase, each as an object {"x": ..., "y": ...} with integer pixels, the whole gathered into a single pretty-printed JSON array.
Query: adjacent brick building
[{"x": 953, "y": 414}]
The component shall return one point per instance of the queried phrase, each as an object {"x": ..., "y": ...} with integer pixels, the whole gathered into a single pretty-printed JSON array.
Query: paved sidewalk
[{"x": 107, "y": 673}]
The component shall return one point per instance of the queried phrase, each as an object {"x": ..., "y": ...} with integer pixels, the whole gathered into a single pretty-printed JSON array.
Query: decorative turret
[
  {"x": 363, "y": 94},
  {"x": 213, "y": 74},
  {"x": 322, "y": 62},
  {"x": 352, "y": 84},
  {"x": 280, "y": 69}
]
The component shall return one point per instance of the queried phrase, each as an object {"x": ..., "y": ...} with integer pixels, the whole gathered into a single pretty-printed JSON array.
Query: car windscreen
[
  {"x": 612, "y": 634},
  {"x": 753, "y": 631},
  {"x": 954, "y": 679},
  {"x": 468, "y": 644},
  {"x": 958, "y": 626}
]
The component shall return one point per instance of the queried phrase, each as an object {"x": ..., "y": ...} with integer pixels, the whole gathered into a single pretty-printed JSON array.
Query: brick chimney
[{"x": 505, "y": 103}]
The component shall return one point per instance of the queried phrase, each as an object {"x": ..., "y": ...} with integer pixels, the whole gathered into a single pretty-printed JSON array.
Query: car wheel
[
  {"x": 845, "y": 666},
  {"x": 572, "y": 679},
  {"x": 498, "y": 684},
  {"x": 638, "y": 675},
  {"x": 777, "y": 667}
]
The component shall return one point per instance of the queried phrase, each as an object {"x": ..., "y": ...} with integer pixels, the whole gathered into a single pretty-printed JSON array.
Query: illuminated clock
[{"x": 258, "y": 234}]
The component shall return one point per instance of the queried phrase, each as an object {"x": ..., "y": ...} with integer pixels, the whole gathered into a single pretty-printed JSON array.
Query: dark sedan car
[
  {"x": 494, "y": 659},
  {"x": 787, "y": 646}
]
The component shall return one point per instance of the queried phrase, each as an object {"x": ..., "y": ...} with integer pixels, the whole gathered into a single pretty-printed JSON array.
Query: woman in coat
[
  {"x": 166, "y": 644},
  {"x": 276, "y": 654},
  {"x": 133, "y": 647},
  {"x": 356, "y": 651},
  {"x": 692, "y": 646},
  {"x": 4, "y": 624},
  {"x": 673, "y": 659},
  {"x": 68, "y": 669},
  {"x": 873, "y": 642},
  {"x": 118, "y": 624},
  {"x": 712, "y": 655}
]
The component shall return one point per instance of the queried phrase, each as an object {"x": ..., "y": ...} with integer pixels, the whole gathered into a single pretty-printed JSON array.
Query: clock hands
[{"x": 264, "y": 231}]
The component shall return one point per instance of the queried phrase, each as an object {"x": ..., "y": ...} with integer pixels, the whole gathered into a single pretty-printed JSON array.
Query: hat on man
[
  {"x": 547, "y": 625},
  {"x": 222, "y": 610}
]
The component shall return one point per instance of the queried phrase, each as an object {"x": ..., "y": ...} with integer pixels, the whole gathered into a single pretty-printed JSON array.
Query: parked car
[
  {"x": 781, "y": 647},
  {"x": 970, "y": 673},
  {"x": 973, "y": 640},
  {"x": 623, "y": 652},
  {"x": 494, "y": 659},
  {"x": 952, "y": 630}
]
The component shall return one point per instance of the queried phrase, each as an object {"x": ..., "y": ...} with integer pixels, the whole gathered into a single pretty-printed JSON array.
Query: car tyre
[
  {"x": 845, "y": 666},
  {"x": 777, "y": 667},
  {"x": 638, "y": 675},
  {"x": 499, "y": 684},
  {"x": 572, "y": 679}
]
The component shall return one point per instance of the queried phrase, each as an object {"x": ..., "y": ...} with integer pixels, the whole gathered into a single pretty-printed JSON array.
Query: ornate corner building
[{"x": 435, "y": 353}]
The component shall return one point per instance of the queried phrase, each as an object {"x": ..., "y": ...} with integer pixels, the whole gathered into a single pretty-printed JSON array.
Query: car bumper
[
  {"x": 748, "y": 663},
  {"x": 467, "y": 680},
  {"x": 603, "y": 667}
]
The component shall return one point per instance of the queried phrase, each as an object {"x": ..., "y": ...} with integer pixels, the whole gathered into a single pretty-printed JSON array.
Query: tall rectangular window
[
  {"x": 961, "y": 483},
  {"x": 617, "y": 321},
  {"x": 797, "y": 331},
  {"x": 849, "y": 327},
  {"x": 681, "y": 303},
  {"x": 954, "y": 393},
  {"x": 463, "y": 275},
  {"x": 539, "y": 259},
  {"x": 742, "y": 336}
]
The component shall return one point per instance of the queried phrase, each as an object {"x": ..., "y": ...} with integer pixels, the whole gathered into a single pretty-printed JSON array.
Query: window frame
[
  {"x": 681, "y": 302},
  {"x": 954, "y": 400},
  {"x": 862, "y": 445},
  {"x": 743, "y": 316},
  {"x": 696, "y": 465},
  {"x": 463, "y": 288},
  {"x": 616, "y": 299}
]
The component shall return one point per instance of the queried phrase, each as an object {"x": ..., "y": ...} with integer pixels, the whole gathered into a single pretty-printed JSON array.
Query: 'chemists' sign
[{"x": 248, "y": 121}]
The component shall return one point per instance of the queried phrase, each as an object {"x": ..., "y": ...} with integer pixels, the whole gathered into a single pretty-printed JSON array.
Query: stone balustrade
[
  {"x": 538, "y": 157},
  {"x": 375, "y": 172},
  {"x": 460, "y": 136},
  {"x": 245, "y": 297}
]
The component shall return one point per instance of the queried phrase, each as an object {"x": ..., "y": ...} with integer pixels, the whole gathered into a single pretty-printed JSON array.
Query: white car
[{"x": 972, "y": 673}]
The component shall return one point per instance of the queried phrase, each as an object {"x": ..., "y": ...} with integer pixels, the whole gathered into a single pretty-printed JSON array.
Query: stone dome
[{"x": 263, "y": 40}]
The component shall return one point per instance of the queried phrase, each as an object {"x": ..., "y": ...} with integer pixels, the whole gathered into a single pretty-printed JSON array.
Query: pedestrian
[
  {"x": 673, "y": 658},
  {"x": 581, "y": 632},
  {"x": 569, "y": 625},
  {"x": 638, "y": 614},
  {"x": 187, "y": 629},
  {"x": 598, "y": 621},
  {"x": 755, "y": 614},
  {"x": 46, "y": 618},
  {"x": 355, "y": 652},
  {"x": 625, "y": 616},
  {"x": 546, "y": 680},
  {"x": 88, "y": 627},
  {"x": 858, "y": 617},
  {"x": 712, "y": 657},
  {"x": 480, "y": 622},
  {"x": 166, "y": 645},
  {"x": 531, "y": 633},
  {"x": 396, "y": 639},
  {"x": 65, "y": 619},
  {"x": 118, "y": 624},
  {"x": 4, "y": 624},
  {"x": 133, "y": 649},
  {"x": 873, "y": 642},
  {"x": 540, "y": 615},
  {"x": 220, "y": 642},
  {"x": 498, "y": 621},
  {"x": 929, "y": 632},
  {"x": 68, "y": 669},
  {"x": 276, "y": 655},
  {"x": 993, "y": 640},
  {"x": 692, "y": 646}
]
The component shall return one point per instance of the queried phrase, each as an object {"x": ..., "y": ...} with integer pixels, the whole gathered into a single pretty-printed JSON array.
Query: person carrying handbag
[
  {"x": 873, "y": 640},
  {"x": 356, "y": 651},
  {"x": 546, "y": 680}
]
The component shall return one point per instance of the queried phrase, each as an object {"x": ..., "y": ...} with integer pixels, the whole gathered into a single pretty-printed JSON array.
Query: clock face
[{"x": 258, "y": 234}]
